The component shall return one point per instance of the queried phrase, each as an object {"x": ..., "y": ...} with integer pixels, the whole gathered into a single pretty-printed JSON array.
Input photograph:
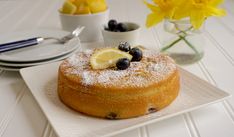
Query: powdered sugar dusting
[
  {"x": 154, "y": 67},
  {"x": 86, "y": 79}
]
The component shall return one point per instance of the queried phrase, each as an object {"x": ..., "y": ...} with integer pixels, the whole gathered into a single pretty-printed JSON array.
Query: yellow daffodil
[
  {"x": 160, "y": 9},
  {"x": 199, "y": 10},
  {"x": 196, "y": 10}
]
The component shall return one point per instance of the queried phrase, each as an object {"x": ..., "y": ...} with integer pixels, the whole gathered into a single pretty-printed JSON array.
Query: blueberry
[
  {"x": 136, "y": 54},
  {"x": 106, "y": 28},
  {"x": 124, "y": 46},
  {"x": 123, "y": 63},
  {"x": 151, "y": 110},
  {"x": 122, "y": 27},
  {"x": 111, "y": 115},
  {"x": 112, "y": 24},
  {"x": 115, "y": 30}
]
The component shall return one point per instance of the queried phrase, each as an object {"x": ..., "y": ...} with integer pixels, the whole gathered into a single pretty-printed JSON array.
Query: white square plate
[{"x": 42, "y": 81}]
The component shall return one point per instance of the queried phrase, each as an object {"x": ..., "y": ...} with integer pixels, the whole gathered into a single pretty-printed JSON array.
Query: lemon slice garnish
[
  {"x": 105, "y": 58},
  {"x": 68, "y": 7}
]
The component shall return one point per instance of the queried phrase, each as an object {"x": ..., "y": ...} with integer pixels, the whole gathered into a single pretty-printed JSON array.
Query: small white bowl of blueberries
[{"x": 116, "y": 32}]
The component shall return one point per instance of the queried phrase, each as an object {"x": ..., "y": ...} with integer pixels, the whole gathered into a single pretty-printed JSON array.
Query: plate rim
[
  {"x": 17, "y": 68},
  {"x": 36, "y": 63}
]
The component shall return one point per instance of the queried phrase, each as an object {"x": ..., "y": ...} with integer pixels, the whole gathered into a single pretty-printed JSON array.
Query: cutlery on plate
[{"x": 37, "y": 40}]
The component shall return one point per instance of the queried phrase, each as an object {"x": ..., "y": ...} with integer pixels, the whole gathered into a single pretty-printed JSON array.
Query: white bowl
[
  {"x": 112, "y": 39},
  {"x": 92, "y": 23}
]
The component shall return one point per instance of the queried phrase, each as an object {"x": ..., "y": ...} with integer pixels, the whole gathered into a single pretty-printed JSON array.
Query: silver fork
[
  {"x": 74, "y": 33},
  {"x": 37, "y": 40}
]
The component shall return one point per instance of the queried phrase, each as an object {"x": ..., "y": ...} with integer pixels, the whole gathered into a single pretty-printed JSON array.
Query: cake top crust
[{"x": 153, "y": 68}]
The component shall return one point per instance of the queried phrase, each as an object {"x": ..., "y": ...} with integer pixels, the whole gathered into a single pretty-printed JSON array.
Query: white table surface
[{"x": 20, "y": 115}]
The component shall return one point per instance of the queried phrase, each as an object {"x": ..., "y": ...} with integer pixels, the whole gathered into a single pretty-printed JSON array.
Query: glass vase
[{"x": 182, "y": 42}]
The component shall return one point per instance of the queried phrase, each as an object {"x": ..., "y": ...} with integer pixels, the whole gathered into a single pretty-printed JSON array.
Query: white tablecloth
[{"x": 20, "y": 115}]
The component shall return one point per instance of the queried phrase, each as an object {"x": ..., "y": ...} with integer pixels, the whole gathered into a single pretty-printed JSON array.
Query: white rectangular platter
[{"x": 42, "y": 81}]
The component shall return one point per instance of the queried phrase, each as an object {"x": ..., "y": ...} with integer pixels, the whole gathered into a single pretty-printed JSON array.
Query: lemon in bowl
[{"x": 92, "y": 14}]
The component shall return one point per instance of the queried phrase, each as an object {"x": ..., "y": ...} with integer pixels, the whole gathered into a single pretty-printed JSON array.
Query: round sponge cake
[{"x": 146, "y": 86}]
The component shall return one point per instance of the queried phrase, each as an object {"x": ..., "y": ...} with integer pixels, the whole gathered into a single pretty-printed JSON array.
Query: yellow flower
[
  {"x": 160, "y": 9},
  {"x": 198, "y": 11}
]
